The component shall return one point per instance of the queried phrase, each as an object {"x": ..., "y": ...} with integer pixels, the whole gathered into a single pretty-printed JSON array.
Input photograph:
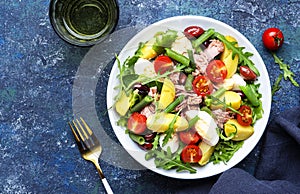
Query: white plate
[{"x": 180, "y": 23}]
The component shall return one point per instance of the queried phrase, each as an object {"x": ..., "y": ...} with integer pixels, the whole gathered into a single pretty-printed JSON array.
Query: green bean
[
  {"x": 137, "y": 138},
  {"x": 206, "y": 109},
  {"x": 250, "y": 94},
  {"x": 144, "y": 102},
  {"x": 178, "y": 57},
  {"x": 193, "y": 121},
  {"x": 189, "y": 82},
  {"x": 208, "y": 33},
  {"x": 191, "y": 57},
  {"x": 175, "y": 103},
  {"x": 216, "y": 95},
  {"x": 219, "y": 92},
  {"x": 189, "y": 70}
]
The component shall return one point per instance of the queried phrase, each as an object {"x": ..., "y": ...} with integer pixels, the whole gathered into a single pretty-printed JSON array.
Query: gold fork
[{"x": 89, "y": 146}]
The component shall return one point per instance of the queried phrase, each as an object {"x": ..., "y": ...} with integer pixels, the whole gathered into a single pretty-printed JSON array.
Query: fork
[{"x": 89, "y": 147}]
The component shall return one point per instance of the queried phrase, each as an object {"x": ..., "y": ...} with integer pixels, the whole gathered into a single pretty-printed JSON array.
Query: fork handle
[
  {"x": 107, "y": 186},
  {"x": 103, "y": 179}
]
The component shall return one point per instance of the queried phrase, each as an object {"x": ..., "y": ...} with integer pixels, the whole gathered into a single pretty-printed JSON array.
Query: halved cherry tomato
[
  {"x": 137, "y": 123},
  {"x": 272, "y": 38},
  {"x": 162, "y": 64},
  {"x": 191, "y": 154},
  {"x": 216, "y": 71},
  {"x": 193, "y": 32},
  {"x": 247, "y": 73},
  {"x": 189, "y": 137},
  {"x": 202, "y": 86},
  {"x": 246, "y": 118}
]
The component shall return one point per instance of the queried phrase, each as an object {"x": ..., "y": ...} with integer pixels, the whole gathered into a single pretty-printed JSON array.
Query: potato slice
[
  {"x": 230, "y": 63},
  {"x": 207, "y": 151},
  {"x": 122, "y": 105},
  {"x": 242, "y": 132},
  {"x": 231, "y": 98},
  {"x": 147, "y": 52},
  {"x": 167, "y": 95},
  {"x": 160, "y": 122}
]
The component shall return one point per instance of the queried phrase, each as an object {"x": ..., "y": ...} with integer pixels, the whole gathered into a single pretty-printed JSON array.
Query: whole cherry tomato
[
  {"x": 193, "y": 32},
  {"x": 191, "y": 154},
  {"x": 246, "y": 118},
  {"x": 273, "y": 38},
  {"x": 202, "y": 86},
  {"x": 216, "y": 71},
  {"x": 247, "y": 73}
]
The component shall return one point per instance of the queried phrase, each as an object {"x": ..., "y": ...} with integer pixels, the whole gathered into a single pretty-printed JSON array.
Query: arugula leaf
[
  {"x": 170, "y": 130},
  {"x": 210, "y": 99},
  {"x": 276, "y": 86},
  {"x": 164, "y": 40},
  {"x": 287, "y": 73},
  {"x": 224, "y": 151},
  {"x": 168, "y": 160},
  {"x": 243, "y": 56}
]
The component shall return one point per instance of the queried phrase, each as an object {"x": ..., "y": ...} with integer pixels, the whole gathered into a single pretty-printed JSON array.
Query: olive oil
[
  {"x": 83, "y": 20},
  {"x": 86, "y": 17}
]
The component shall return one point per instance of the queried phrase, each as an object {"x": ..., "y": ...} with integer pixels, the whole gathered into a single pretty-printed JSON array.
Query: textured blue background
[{"x": 37, "y": 70}]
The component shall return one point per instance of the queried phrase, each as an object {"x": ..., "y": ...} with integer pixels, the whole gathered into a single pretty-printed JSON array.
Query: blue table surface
[{"x": 37, "y": 73}]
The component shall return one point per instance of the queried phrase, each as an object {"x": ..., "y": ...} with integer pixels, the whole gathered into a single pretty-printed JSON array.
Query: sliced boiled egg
[
  {"x": 173, "y": 143},
  {"x": 206, "y": 127},
  {"x": 144, "y": 67},
  {"x": 238, "y": 81},
  {"x": 182, "y": 44}
]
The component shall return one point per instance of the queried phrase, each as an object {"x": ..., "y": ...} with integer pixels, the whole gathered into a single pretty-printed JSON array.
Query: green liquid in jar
[{"x": 86, "y": 17}]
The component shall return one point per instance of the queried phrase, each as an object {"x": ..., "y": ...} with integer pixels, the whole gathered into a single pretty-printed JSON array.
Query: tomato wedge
[
  {"x": 189, "y": 137},
  {"x": 216, "y": 71},
  {"x": 202, "y": 86},
  {"x": 162, "y": 64},
  {"x": 191, "y": 154},
  {"x": 246, "y": 118},
  {"x": 137, "y": 123}
]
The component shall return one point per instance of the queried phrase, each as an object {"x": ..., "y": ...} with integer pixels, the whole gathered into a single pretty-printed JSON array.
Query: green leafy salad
[{"x": 188, "y": 98}]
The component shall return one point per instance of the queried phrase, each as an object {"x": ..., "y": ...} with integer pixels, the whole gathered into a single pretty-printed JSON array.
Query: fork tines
[{"x": 84, "y": 136}]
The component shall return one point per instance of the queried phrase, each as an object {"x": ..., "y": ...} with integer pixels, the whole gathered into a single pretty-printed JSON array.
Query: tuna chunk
[{"x": 202, "y": 59}]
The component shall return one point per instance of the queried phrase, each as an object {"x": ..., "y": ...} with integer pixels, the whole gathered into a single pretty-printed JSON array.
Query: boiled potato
[
  {"x": 230, "y": 62},
  {"x": 160, "y": 122},
  {"x": 123, "y": 104},
  {"x": 167, "y": 95},
  {"x": 207, "y": 151},
  {"x": 147, "y": 52},
  {"x": 242, "y": 132},
  {"x": 231, "y": 98}
]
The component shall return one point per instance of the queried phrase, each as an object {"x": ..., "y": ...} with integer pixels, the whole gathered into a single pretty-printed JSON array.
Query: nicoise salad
[{"x": 188, "y": 97}]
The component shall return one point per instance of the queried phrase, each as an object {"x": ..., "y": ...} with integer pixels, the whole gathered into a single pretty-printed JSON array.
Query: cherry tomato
[
  {"x": 247, "y": 73},
  {"x": 189, "y": 137},
  {"x": 162, "y": 64},
  {"x": 137, "y": 123},
  {"x": 193, "y": 32},
  {"x": 272, "y": 38},
  {"x": 202, "y": 86},
  {"x": 246, "y": 118},
  {"x": 191, "y": 154},
  {"x": 216, "y": 71}
]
